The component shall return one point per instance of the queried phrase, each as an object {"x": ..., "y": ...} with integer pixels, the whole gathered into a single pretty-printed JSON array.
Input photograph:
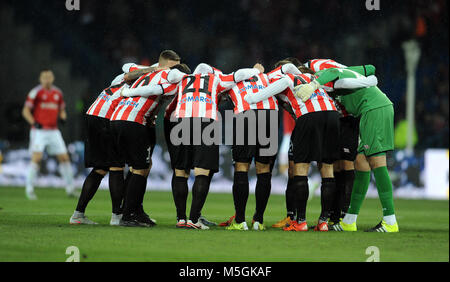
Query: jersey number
[{"x": 191, "y": 80}]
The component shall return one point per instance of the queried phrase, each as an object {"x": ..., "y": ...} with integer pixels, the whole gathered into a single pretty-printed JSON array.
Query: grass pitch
[{"x": 39, "y": 231}]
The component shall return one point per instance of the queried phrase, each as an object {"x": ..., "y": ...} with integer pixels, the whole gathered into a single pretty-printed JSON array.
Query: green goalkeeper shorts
[{"x": 376, "y": 131}]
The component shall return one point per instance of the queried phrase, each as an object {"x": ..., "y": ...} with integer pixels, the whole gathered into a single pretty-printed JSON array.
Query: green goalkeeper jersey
[{"x": 355, "y": 101}]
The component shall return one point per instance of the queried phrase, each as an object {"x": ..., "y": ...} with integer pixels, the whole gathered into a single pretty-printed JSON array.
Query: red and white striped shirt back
[
  {"x": 252, "y": 85},
  {"x": 198, "y": 95},
  {"x": 323, "y": 64},
  {"x": 139, "y": 109},
  {"x": 106, "y": 102},
  {"x": 319, "y": 101}
]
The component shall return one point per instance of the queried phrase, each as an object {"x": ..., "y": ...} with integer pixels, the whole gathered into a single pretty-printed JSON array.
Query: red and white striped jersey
[
  {"x": 126, "y": 68},
  {"x": 319, "y": 101},
  {"x": 170, "y": 108},
  {"x": 322, "y": 64},
  {"x": 288, "y": 123},
  {"x": 106, "y": 102},
  {"x": 252, "y": 85},
  {"x": 198, "y": 94},
  {"x": 139, "y": 109},
  {"x": 341, "y": 109},
  {"x": 275, "y": 73},
  {"x": 45, "y": 105}
]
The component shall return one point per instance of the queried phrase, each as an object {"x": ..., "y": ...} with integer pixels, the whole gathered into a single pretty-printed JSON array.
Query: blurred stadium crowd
[{"x": 103, "y": 35}]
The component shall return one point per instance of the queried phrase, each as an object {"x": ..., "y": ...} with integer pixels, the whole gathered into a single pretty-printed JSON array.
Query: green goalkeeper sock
[
  {"x": 360, "y": 187},
  {"x": 384, "y": 187}
]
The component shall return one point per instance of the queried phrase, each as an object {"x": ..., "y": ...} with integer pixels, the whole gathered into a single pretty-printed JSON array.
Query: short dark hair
[
  {"x": 45, "y": 70},
  {"x": 304, "y": 69},
  {"x": 288, "y": 60},
  {"x": 182, "y": 67},
  {"x": 294, "y": 61},
  {"x": 169, "y": 55},
  {"x": 280, "y": 63}
]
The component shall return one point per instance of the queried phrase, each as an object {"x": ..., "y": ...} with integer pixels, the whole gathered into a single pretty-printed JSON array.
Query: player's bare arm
[
  {"x": 132, "y": 76},
  {"x": 63, "y": 115},
  {"x": 27, "y": 115}
]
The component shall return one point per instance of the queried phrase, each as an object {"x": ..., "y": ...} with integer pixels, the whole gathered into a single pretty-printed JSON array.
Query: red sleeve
[
  {"x": 31, "y": 97},
  {"x": 62, "y": 104}
]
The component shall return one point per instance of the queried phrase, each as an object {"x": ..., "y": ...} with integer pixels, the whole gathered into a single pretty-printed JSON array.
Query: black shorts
[
  {"x": 168, "y": 125},
  {"x": 134, "y": 143},
  {"x": 187, "y": 156},
  {"x": 349, "y": 135},
  {"x": 98, "y": 144},
  {"x": 245, "y": 152},
  {"x": 316, "y": 138}
]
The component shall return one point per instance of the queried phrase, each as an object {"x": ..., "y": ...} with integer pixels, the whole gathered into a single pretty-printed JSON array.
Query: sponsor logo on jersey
[
  {"x": 191, "y": 99},
  {"x": 104, "y": 97},
  {"x": 51, "y": 106},
  {"x": 251, "y": 87},
  {"x": 129, "y": 103}
]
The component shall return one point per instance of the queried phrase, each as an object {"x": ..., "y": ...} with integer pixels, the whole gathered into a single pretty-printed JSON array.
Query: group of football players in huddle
[{"x": 343, "y": 122}]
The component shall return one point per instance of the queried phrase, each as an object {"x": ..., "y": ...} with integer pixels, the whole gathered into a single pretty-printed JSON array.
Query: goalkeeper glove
[{"x": 304, "y": 91}]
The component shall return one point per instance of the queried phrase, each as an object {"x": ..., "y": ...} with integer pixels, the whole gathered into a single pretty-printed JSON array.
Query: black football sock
[
  {"x": 327, "y": 192},
  {"x": 210, "y": 177},
  {"x": 90, "y": 187},
  {"x": 290, "y": 200},
  {"x": 125, "y": 186},
  {"x": 301, "y": 189},
  {"x": 262, "y": 194},
  {"x": 180, "y": 192},
  {"x": 240, "y": 194},
  {"x": 142, "y": 189},
  {"x": 199, "y": 193},
  {"x": 116, "y": 190},
  {"x": 338, "y": 197},
  {"x": 349, "y": 176},
  {"x": 134, "y": 194}
]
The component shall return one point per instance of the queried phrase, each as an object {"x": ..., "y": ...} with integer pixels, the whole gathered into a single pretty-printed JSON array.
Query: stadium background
[{"x": 86, "y": 49}]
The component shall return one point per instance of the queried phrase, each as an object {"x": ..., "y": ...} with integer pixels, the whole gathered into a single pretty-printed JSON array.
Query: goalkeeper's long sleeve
[
  {"x": 365, "y": 70},
  {"x": 335, "y": 74},
  {"x": 353, "y": 83}
]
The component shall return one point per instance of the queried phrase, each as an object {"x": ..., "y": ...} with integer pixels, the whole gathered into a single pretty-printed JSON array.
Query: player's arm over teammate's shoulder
[
  {"x": 279, "y": 82},
  {"x": 274, "y": 88},
  {"x": 135, "y": 71},
  {"x": 348, "y": 78},
  {"x": 174, "y": 76}
]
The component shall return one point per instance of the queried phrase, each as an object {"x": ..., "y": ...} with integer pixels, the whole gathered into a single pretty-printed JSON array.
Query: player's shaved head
[
  {"x": 46, "y": 78},
  {"x": 168, "y": 58},
  {"x": 182, "y": 67}
]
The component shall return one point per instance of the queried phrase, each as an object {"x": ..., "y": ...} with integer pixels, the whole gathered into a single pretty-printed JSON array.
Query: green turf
[{"x": 39, "y": 231}]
